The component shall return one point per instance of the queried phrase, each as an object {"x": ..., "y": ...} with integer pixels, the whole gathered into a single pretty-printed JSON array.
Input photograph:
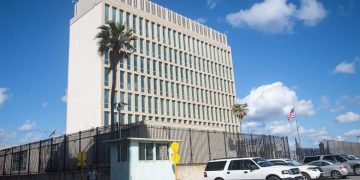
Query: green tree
[
  {"x": 116, "y": 40},
  {"x": 240, "y": 111}
]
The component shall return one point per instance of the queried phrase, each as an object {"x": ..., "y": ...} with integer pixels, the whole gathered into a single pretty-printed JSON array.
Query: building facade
[{"x": 180, "y": 75}]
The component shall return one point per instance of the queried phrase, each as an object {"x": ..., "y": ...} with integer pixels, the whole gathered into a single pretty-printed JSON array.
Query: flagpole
[{"x": 297, "y": 128}]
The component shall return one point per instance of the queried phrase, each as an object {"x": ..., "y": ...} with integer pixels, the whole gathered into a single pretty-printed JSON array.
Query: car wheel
[
  {"x": 357, "y": 170},
  {"x": 336, "y": 174},
  {"x": 273, "y": 178},
  {"x": 306, "y": 176},
  {"x": 219, "y": 179}
]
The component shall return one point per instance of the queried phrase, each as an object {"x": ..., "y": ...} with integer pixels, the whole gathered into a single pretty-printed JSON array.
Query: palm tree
[
  {"x": 115, "y": 39},
  {"x": 240, "y": 111}
]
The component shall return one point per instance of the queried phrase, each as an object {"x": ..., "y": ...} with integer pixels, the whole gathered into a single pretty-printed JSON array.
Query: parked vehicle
[
  {"x": 350, "y": 160},
  {"x": 309, "y": 172},
  {"x": 249, "y": 168},
  {"x": 332, "y": 169}
]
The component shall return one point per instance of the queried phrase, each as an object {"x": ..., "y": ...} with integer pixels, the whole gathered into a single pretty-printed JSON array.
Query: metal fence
[{"x": 196, "y": 146}]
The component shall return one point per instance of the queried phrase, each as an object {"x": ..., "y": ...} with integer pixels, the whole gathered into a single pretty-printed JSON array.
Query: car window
[
  {"x": 215, "y": 166},
  {"x": 316, "y": 163},
  {"x": 330, "y": 158},
  {"x": 236, "y": 165},
  {"x": 279, "y": 162},
  {"x": 340, "y": 158},
  {"x": 262, "y": 162},
  {"x": 311, "y": 159},
  {"x": 324, "y": 164},
  {"x": 248, "y": 164}
]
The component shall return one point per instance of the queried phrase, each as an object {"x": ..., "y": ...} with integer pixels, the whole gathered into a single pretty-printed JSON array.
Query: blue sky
[{"x": 303, "y": 53}]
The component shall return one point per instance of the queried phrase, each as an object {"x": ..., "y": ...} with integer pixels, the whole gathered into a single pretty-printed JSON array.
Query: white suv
[
  {"x": 309, "y": 172},
  {"x": 249, "y": 168}
]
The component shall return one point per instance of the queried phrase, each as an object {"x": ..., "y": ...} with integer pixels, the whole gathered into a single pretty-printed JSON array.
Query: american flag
[{"x": 291, "y": 114}]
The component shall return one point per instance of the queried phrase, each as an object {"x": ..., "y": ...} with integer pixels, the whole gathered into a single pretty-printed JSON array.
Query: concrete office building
[{"x": 180, "y": 75}]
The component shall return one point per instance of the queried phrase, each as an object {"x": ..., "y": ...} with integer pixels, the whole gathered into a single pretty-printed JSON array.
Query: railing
[{"x": 196, "y": 146}]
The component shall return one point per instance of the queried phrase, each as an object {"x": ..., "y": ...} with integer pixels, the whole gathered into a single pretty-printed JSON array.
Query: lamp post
[{"x": 119, "y": 107}]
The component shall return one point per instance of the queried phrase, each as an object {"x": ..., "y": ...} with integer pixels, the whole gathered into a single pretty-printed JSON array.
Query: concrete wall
[
  {"x": 191, "y": 172},
  {"x": 85, "y": 74}
]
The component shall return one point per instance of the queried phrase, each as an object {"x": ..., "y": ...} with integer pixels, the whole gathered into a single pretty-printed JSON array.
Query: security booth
[{"x": 141, "y": 158}]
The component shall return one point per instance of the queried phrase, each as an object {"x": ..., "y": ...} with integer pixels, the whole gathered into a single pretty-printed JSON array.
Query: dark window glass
[
  {"x": 311, "y": 159},
  {"x": 215, "y": 166},
  {"x": 236, "y": 165}
]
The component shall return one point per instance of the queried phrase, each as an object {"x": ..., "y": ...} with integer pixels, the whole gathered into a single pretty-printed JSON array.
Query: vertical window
[
  {"x": 156, "y": 105},
  {"x": 155, "y": 86},
  {"x": 129, "y": 102},
  {"x": 127, "y": 20},
  {"x": 162, "y": 106},
  {"x": 106, "y": 98},
  {"x": 121, "y": 12},
  {"x": 141, "y": 46},
  {"x": 153, "y": 30},
  {"x": 171, "y": 71},
  {"x": 129, "y": 81},
  {"x": 135, "y": 63},
  {"x": 128, "y": 63},
  {"x": 106, "y": 76},
  {"x": 148, "y": 64},
  {"x": 114, "y": 14},
  {"x": 149, "y": 104},
  {"x": 142, "y": 83},
  {"x": 173, "y": 108},
  {"x": 135, "y": 45},
  {"x": 172, "y": 90},
  {"x": 160, "y": 69},
  {"x": 161, "y": 87},
  {"x": 154, "y": 68},
  {"x": 163, "y": 33},
  {"x": 143, "y": 104},
  {"x": 134, "y": 23},
  {"x": 169, "y": 36},
  {"x": 158, "y": 32},
  {"x": 149, "y": 85},
  {"x": 107, "y": 13},
  {"x": 106, "y": 118},
  {"x": 136, "y": 85},
  {"x": 153, "y": 50},
  {"x": 168, "y": 107},
  {"x": 140, "y": 26},
  {"x": 165, "y": 49},
  {"x": 123, "y": 152},
  {"x": 166, "y": 70},
  {"x": 167, "y": 88},
  {"x": 146, "y": 151},
  {"x": 142, "y": 61},
  {"x": 136, "y": 103},
  {"x": 147, "y": 48},
  {"x": 121, "y": 79},
  {"x": 106, "y": 57},
  {"x": 174, "y": 36},
  {"x": 129, "y": 118},
  {"x": 147, "y": 28},
  {"x": 159, "y": 51}
]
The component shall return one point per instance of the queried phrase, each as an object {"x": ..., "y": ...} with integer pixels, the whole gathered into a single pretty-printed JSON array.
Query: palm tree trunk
[{"x": 112, "y": 100}]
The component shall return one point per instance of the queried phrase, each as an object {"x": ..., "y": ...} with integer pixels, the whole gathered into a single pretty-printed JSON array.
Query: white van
[{"x": 249, "y": 168}]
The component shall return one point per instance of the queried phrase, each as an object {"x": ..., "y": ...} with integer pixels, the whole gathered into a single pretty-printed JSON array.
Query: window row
[
  {"x": 168, "y": 107},
  {"x": 156, "y": 32},
  {"x": 134, "y": 82},
  {"x": 169, "y": 72}
]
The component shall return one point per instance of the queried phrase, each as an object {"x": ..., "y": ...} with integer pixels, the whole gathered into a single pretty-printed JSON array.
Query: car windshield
[
  {"x": 350, "y": 157},
  {"x": 293, "y": 163},
  {"x": 263, "y": 162}
]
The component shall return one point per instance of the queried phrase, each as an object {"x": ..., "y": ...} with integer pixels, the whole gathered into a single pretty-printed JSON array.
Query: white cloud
[
  {"x": 354, "y": 132},
  {"x": 6, "y": 135},
  {"x": 277, "y": 16},
  {"x": 339, "y": 138},
  {"x": 201, "y": 20},
  {"x": 348, "y": 117},
  {"x": 275, "y": 101},
  {"x": 250, "y": 124},
  {"x": 345, "y": 67},
  {"x": 27, "y": 126},
  {"x": 3, "y": 95},
  {"x": 311, "y": 12},
  {"x": 280, "y": 128},
  {"x": 64, "y": 98},
  {"x": 270, "y": 16},
  {"x": 31, "y": 137},
  {"x": 211, "y": 4},
  {"x": 324, "y": 102}
]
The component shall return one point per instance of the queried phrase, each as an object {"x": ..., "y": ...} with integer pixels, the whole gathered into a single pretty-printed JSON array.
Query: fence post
[
  {"x": 96, "y": 148},
  {"x": 28, "y": 162},
  {"x": 12, "y": 153},
  {"x": 64, "y": 154},
  {"x": 284, "y": 150},
  {"x": 191, "y": 153},
  {"x": 4, "y": 169},
  {"x": 39, "y": 162},
  {"x": 225, "y": 144},
  {"x": 288, "y": 148},
  {"x": 238, "y": 151},
  {"x": 251, "y": 145},
  {"x": 51, "y": 149},
  {"x": 19, "y": 160},
  {"x": 208, "y": 137},
  {"x": 80, "y": 141}
]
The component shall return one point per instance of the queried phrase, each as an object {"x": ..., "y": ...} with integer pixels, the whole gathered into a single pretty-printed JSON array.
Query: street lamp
[{"x": 119, "y": 107}]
